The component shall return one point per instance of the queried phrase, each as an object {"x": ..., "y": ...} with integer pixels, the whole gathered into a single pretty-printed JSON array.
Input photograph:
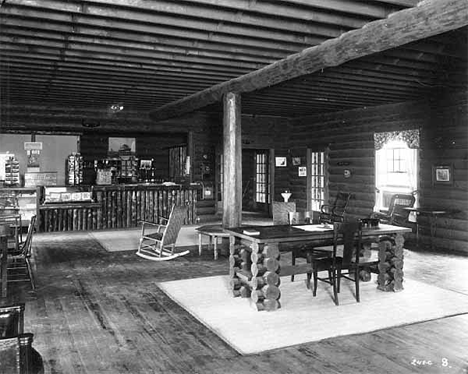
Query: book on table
[{"x": 251, "y": 232}]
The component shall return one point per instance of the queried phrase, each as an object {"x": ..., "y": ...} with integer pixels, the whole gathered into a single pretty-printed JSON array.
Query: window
[
  {"x": 220, "y": 176},
  {"x": 317, "y": 189},
  {"x": 396, "y": 171},
  {"x": 261, "y": 177}
]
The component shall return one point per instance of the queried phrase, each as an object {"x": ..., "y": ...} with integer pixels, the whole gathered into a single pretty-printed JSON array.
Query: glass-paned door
[
  {"x": 317, "y": 182},
  {"x": 261, "y": 177}
]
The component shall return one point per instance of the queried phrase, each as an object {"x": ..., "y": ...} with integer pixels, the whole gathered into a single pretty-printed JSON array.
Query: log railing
[{"x": 118, "y": 206}]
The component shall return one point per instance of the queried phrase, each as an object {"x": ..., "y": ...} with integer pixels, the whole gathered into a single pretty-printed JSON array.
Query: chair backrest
[
  {"x": 349, "y": 234},
  {"x": 397, "y": 204},
  {"x": 341, "y": 202},
  {"x": 26, "y": 245},
  {"x": 174, "y": 224},
  {"x": 11, "y": 320}
]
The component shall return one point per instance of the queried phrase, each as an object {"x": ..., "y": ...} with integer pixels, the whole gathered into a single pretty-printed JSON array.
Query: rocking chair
[{"x": 157, "y": 241}]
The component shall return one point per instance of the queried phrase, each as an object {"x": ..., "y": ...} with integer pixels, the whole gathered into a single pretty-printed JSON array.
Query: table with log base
[{"x": 254, "y": 260}]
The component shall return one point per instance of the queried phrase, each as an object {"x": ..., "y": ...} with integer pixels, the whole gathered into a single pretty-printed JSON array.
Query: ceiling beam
[{"x": 430, "y": 17}]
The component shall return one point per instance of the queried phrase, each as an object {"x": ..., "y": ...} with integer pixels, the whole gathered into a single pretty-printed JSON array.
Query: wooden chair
[
  {"x": 396, "y": 214},
  {"x": 300, "y": 250},
  {"x": 157, "y": 240},
  {"x": 345, "y": 260},
  {"x": 330, "y": 213},
  {"x": 11, "y": 320},
  {"x": 19, "y": 266}
]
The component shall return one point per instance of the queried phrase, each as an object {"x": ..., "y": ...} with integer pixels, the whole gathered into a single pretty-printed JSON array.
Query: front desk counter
[{"x": 118, "y": 206}]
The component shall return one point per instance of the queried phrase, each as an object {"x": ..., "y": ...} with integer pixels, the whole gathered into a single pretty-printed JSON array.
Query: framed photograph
[
  {"x": 296, "y": 161},
  {"x": 442, "y": 175},
  {"x": 280, "y": 161},
  {"x": 302, "y": 171}
]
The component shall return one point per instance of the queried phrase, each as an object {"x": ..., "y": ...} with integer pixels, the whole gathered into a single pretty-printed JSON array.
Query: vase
[{"x": 286, "y": 196}]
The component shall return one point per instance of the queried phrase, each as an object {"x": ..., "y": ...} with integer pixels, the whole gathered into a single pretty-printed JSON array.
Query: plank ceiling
[{"x": 148, "y": 54}]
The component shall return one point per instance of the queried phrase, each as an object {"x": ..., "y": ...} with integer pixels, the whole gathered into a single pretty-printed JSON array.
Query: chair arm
[{"x": 158, "y": 226}]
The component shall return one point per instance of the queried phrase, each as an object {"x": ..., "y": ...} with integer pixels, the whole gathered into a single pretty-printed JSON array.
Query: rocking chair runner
[{"x": 157, "y": 241}]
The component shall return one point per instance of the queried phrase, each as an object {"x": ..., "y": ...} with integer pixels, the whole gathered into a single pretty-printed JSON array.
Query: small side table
[
  {"x": 213, "y": 232},
  {"x": 433, "y": 215}
]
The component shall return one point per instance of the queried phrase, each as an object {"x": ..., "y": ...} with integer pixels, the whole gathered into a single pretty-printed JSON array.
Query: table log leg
[
  {"x": 265, "y": 277},
  {"x": 234, "y": 265},
  {"x": 390, "y": 276}
]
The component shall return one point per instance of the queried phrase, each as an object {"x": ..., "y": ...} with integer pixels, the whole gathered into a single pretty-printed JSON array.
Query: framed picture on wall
[
  {"x": 442, "y": 175},
  {"x": 296, "y": 161},
  {"x": 280, "y": 161}
]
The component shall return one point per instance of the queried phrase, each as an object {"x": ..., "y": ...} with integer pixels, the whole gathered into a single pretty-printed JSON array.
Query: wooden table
[
  {"x": 213, "y": 232},
  {"x": 254, "y": 269}
]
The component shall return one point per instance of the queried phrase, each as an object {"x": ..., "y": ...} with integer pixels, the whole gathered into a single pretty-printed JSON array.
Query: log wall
[
  {"x": 118, "y": 206},
  {"x": 442, "y": 123}
]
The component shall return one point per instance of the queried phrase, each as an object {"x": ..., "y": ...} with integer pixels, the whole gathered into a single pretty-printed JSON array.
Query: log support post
[{"x": 232, "y": 150}]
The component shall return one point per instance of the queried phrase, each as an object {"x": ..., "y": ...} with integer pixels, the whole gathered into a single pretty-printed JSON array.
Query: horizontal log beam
[{"x": 401, "y": 28}]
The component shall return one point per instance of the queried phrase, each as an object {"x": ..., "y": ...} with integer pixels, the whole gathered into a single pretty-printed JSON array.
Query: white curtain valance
[{"x": 410, "y": 137}]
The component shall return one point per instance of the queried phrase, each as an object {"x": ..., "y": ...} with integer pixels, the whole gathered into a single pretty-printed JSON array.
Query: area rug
[
  {"x": 303, "y": 318},
  {"x": 129, "y": 239}
]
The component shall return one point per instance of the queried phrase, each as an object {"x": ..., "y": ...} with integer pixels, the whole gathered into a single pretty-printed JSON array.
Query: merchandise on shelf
[
  {"x": 74, "y": 169},
  {"x": 12, "y": 172}
]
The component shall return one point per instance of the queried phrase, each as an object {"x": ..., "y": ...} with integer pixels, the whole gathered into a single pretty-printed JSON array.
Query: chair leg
[
  {"x": 356, "y": 280},
  {"x": 30, "y": 274},
  {"x": 293, "y": 262},
  {"x": 338, "y": 280},
  {"x": 335, "y": 283},
  {"x": 314, "y": 292}
]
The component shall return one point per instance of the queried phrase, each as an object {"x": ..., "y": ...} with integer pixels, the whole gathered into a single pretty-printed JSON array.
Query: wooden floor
[{"x": 100, "y": 312}]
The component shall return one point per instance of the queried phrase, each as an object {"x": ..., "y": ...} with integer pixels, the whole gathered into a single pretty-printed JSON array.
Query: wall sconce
[{"x": 117, "y": 107}]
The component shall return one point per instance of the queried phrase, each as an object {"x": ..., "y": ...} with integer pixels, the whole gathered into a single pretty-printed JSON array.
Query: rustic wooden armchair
[
  {"x": 19, "y": 266},
  {"x": 345, "y": 260},
  {"x": 157, "y": 240},
  {"x": 330, "y": 213},
  {"x": 396, "y": 213},
  {"x": 16, "y": 352}
]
